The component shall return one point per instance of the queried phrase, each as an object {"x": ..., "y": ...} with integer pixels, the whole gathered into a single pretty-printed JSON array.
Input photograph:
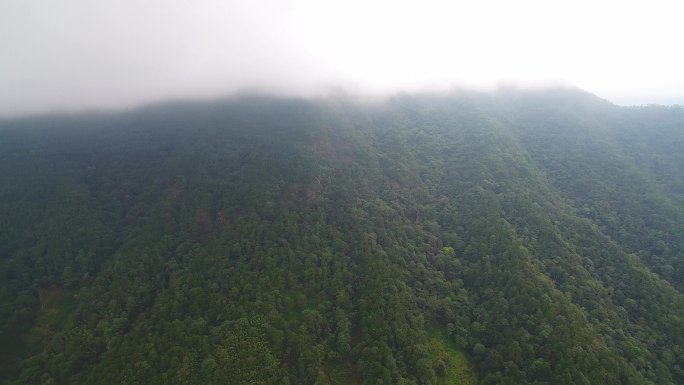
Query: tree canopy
[{"x": 507, "y": 238}]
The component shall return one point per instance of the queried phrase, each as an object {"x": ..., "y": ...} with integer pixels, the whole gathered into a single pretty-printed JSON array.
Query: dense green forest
[{"x": 465, "y": 238}]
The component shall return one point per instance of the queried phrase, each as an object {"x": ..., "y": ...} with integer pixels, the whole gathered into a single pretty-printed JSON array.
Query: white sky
[{"x": 75, "y": 54}]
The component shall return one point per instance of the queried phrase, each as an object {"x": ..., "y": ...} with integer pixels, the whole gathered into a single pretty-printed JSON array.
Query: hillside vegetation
[{"x": 505, "y": 238}]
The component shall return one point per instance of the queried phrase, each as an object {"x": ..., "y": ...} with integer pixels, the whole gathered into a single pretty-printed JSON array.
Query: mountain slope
[{"x": 489, "y": 238}]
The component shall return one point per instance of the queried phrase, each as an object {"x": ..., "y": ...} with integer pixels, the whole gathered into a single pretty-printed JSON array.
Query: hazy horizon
[{"x": 73, "y": 55}]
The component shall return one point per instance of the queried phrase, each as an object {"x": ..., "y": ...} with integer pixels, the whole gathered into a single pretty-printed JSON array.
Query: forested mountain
[{"x": 468, "y": 238}]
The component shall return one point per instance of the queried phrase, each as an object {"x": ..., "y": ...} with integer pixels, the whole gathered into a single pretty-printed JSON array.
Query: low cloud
[{"x": 80, "y": 54}]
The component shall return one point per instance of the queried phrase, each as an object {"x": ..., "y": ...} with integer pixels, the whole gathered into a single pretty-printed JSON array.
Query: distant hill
[{"x": 467, "y": 238}]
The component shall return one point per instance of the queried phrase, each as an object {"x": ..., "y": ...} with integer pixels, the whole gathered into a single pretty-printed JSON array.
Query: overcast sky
[{"x": 77, "y": 54}]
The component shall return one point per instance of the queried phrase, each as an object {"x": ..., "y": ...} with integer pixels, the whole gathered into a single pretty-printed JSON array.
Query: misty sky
[{"x": 78, "y": 54}]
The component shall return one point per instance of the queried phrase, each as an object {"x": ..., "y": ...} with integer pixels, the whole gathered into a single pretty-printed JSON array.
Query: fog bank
[{"x": 78, "y": 54}]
